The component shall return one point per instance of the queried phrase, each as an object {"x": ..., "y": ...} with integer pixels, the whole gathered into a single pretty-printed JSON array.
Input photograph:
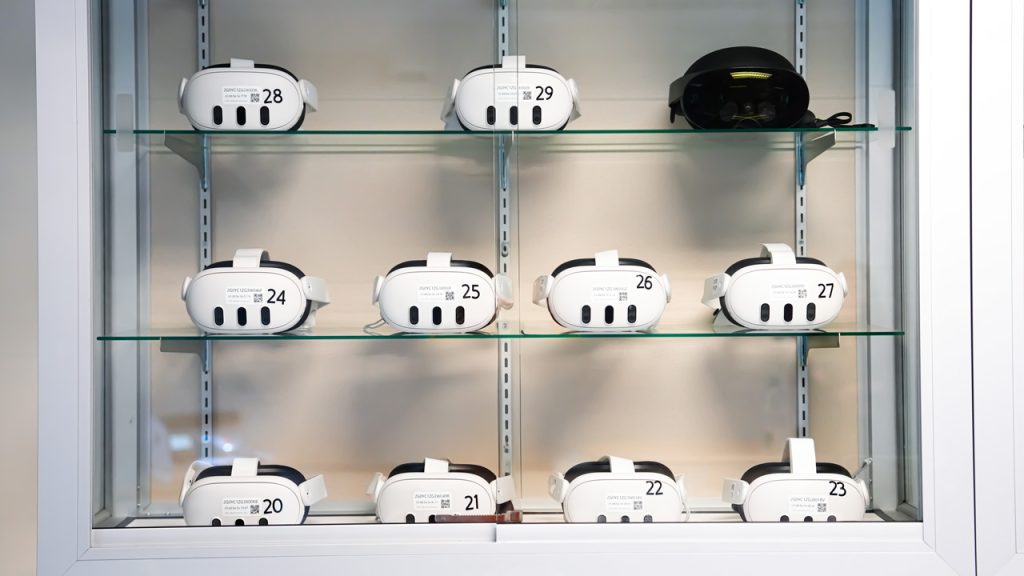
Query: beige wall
[{"x": 18, "y": 257}]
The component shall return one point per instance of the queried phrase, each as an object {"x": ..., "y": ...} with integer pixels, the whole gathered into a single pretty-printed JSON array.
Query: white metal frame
[
  {"x": 69, "y": 188},
  {"x": 997, "y": 204}
]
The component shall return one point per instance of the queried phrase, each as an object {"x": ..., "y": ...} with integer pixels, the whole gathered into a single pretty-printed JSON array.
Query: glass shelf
[
  {"x": 505, "y": 330},
  {"x": 455, "y": 134},
  {"x": 188, "y": 143}
]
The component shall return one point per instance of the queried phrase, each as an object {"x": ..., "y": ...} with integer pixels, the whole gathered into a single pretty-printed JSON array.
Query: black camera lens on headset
[{"x": 740, "y": 87}]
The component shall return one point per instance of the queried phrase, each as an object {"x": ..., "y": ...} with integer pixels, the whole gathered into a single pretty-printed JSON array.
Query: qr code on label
[
  {"x": 822, "y": 507},
  {"x": 445, "y": 503},
  {"x": 254, "y": 97},
  {"x": 638, "y": 505},
  {"x": 802, "y": 293},
  {"x": 623, "y": 296},
  {"x": 449, "y": 295},
  {"x": 254, "y": 508},
  {"x": 257, "y": 298}
]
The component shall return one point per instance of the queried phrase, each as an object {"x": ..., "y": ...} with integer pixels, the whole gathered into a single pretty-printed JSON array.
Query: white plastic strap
[
  {"x": 181, "y": 94},
  {"x": 513, "y": 62},
  {"x": 249, "y": 257},
  {"x": 377, "y": 285},
  {"x": 714, "y": 288},
  {"x": 375, "y": 485},
  {"x": 558, "y": 487},
  {"x": 799, "y": 453},
  {"x": 681, "y": 484},
  {"x": 310, "y": 95},
  {"x": 448, "y": 108},
  {"x": 618, "y": 465},
  {"x": 779, "y": 253},
  {"x": 245, "y": 467},
  {"x": 434, "y": 466},
  {"x": 541, "y": 289},
  {"x": 503, "y": 291},
  {"x": 575, "y": 92},
  {"x": 668, "y": 287},
  {"x": 242, "y": 63},
  {"x": 504, "y": 489},
  {"x": 734, "y": 491},
  {"x": 439, "y": 260},
  {"x": 607, "y": 258},
  {"x": 316, "y": 290},
  {"x": 313, "y": 490},
  {"x": 190, "y": 477}
]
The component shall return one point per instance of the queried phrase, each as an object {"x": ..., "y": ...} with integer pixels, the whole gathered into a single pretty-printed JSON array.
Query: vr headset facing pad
[
  {"x": 776, "y": 291},
  {"x": 243, "y": 95},
  {"x": 417, "y": 491},
  {"x": 511, "y": 96},
  {"x": 253, "y": 294},
  {"x": 798, "y": 489},
  {"x": 247, "y": 493},
  {"x": 620, "y": 490}
]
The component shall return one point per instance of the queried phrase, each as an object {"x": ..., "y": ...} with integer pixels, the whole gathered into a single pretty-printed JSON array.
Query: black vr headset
[{"x": 745, "y": 87}]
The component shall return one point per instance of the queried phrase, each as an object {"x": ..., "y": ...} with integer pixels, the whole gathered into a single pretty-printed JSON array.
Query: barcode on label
[
  {"x": 638, "y": 505},
  {"x": 449, "y": 295},
  {"x": 254, "y": 509},
  {"x": 254, "y": 98},
  {"x": 446, "y": 504},
  {"x": 822, "y": 507}
]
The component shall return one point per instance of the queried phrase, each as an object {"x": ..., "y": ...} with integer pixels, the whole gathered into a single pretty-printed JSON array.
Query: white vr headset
[
  {"x": 418, "y": 491},
  {"x": 604, "y": 294},
  {"x": 619, "y": 490},
  {"x": 253, "y": 294},
  {"x": 440, "y": 295},
  {"x": 511, "y": 96},
  {"x": 243, "y": 95},
  {"x": 776, "y": 291},
  {"x": 248, "y": 493},
  {"x": 798, "y": 489}
]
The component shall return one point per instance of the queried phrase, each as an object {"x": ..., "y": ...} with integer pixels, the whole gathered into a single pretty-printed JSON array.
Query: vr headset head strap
[
  {"x": 435, "y": 466},
  {"x": 190, "y": 477},
  {"x": 245, "y": 467},
  {"x": 779, "y": 253},
  {"x": 313, "y": 490},
  {"x": 249, "y": 257},
  {"x": 607, "y": 258},
  {"x": 714, "y": 288},
  {"x": 799, "y": 452},
  {"x": 439, "y": 260}
]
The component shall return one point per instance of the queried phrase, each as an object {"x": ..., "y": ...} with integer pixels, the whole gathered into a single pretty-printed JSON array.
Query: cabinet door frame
[
  {"x": 70, "y": 360},
  {"x": 997, "y": 206}
]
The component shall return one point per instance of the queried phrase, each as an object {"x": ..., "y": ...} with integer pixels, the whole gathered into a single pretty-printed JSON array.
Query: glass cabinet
[{"x": 373, "y": 180}]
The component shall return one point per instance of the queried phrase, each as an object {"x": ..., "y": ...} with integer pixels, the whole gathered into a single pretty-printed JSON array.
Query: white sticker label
[
  {"x": 432, "y": 501},
  {"x": 807, "y": 505},
  {"x": 624, "y": 503},
  {"x": 240, "y": 507},
  {"x": 240, "y": 95},
  {"x": 609, "y": 293},
  {"x": 435, "y": 293},
  {"x": 512, "y": 93},
  {"x": 244, "y": 295},
  {"x": 788, "y": 291}
]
